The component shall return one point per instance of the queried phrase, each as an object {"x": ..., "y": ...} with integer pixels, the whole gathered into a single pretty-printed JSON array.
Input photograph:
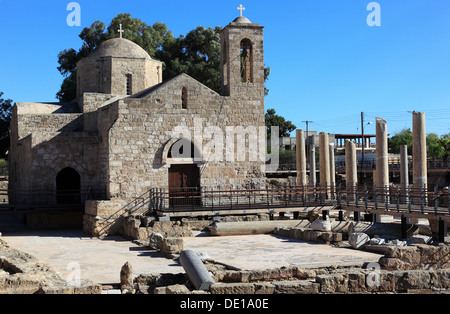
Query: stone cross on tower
[
  {"x": 241, "y": 8},
  {"x": 120, "y": 30}
]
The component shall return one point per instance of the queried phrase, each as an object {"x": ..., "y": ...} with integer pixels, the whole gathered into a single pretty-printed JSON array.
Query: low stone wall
[
  {"x": 296, "y": 280},
  {"x": 21, "y": 273},
  {"x": 102, "y": 218},
  {"x": 141, "y": 228},
  {"x": 305, "y": 234},
  {"x": 416, "y": 256}
]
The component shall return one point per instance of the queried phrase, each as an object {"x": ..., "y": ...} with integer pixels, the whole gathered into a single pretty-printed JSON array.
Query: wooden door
[{"x": 184, "y": 185}]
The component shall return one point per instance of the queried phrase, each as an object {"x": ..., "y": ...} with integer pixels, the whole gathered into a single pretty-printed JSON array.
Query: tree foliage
[
  {"x": 5, "y": 119},
  {"x": 437, "y": 147},
  {"x": 403, "y": 137},
  {"x": 272, "y": 119},
  {"x": 196, "y": 54}
]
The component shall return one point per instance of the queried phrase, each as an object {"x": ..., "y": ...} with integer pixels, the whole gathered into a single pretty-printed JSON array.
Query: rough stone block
[
  {"x": 440, "y": 279},
  {"x": 358, "y": 240},
  {"x": 421, "y": 239},
  {"x": 156, "y": 240},
  {"x": 171, "y": 247},
  {"x": 411, "y": 280},
  {"x": 321, "y": 225},
  {"x": 332, "y": 283},
  {"x": 337, "y": 237},
  {"x": 296, "y": 287},
  {"x": 177, "y": 289},
  {"x": 264, "y": 288},
  {"x": 232, "y": 288},
  {"x": 305, "y": 273}
]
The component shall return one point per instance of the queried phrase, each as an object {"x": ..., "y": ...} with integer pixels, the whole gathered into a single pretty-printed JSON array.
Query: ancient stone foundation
[
  {"x": 296, "y": 280},
  {"x": 21, "y": 273}
]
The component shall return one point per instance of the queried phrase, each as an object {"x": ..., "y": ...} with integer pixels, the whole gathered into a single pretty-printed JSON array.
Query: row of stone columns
[
  {"x": 326, "y": 160},
  {"x": 381, "y": 175}
]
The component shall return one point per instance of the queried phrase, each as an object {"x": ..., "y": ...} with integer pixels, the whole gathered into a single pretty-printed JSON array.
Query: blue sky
[{"x": 327, "y": 64}]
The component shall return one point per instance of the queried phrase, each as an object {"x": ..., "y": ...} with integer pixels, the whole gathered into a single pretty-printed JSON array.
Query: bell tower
[{"x": 242, "y": 53}]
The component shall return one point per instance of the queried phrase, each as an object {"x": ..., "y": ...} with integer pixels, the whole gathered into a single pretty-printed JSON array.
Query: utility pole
[
  {"x": 307, "y": 133},
  {"x": 363, "y": 140},
  {"x": 307, "y": 127}
]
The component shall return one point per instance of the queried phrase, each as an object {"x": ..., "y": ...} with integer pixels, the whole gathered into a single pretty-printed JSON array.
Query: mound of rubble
[{"x": 21, "y": 273}]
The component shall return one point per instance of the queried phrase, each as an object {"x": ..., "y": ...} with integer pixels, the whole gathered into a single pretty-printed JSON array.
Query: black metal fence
[
  {"x": 289, "y": 164},
  {"x": 48, "y": 199},
  {"x": 393, "y": 198}
]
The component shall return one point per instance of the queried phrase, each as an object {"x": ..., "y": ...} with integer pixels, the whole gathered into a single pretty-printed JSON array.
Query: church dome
[
  {"x": 120, "y": 48},
  {"x": 242, "y": 20}
]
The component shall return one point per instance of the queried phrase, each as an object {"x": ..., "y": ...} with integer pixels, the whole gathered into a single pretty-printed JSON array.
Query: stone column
[
  {"x": 419, "y": 151},
  {"x": 404, "y": 172},
  {"x": 301, "y": 158},
  {"x": 332, "y": 169},
  {"x": 382, "y": 155},
  {"x": 324, "y": 158},
  {"x": 312, "y": 163},
  {"x": 382, "y": 169},
  {"x": 351, "y": 168}
]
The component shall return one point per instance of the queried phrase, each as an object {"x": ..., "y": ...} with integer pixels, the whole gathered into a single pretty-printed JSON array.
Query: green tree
[
  {"x": 445, "y": 142},
  {"x": 403, "y": 137},
  {"x": 435, "y": 146},
  {"x": 197, "y": 54},
  {"x": 272, "y": 119},
  {"x": 5, "y": 119}
]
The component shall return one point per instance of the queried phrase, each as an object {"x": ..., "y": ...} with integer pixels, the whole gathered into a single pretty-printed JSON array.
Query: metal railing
[
  {"x": 49, "y": 199},
  {"x": 393, "y": 198},
  {"x": 289, "y": 164},
  {"x": 194, "y": 199}
]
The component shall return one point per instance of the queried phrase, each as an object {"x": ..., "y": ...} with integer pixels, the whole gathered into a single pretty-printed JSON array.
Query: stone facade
[{"x": 119, "y": 144}]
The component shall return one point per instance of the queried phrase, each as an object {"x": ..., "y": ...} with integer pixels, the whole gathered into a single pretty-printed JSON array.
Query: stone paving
[{"x": 101, "y": 260}]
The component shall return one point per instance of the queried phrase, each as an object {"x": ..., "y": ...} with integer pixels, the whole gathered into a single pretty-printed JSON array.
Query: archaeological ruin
[{"x": 180, "y": 171}]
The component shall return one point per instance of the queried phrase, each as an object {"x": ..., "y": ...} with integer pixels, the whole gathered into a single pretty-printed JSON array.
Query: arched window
[
  {"x": 68, "y": 185},
  {"x": 184, "y": 98},
  {"x": 246, "y": 61},
  {"x": 183, "y": 149}
]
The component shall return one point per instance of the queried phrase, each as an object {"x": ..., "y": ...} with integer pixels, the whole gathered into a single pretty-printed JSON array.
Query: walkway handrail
[{"x": 411, "y": 199}]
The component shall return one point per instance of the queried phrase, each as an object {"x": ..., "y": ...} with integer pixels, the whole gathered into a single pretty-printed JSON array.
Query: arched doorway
[
  {"x": 184, "y": 174},
  {"x": 68, "y": 187}
]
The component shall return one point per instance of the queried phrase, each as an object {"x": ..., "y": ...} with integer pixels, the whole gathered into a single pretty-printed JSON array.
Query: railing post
[
  {"x": 422, "y": 200},
  {"x": 386, "y": 197},
  {"x": 285, "y": 195},
  {"x": 231, "y": 198},
  {"x": 212, "y": 198},
  {"x": 436, "y": 199},
  {"x": 366, "y": 196},
  {"x": 348, "y": 196},
  {"x": 442, "y": 232},
  {"x": 356, "y": 196},
  {"x": 339, "y": 196},
  {"x": 448, "y": 198},
  {"x": 303, "y": 194},
  {"x": 398, "y": 199},
  {"x": 376, "y": 196},
  {"x": 409, "y": 199}
]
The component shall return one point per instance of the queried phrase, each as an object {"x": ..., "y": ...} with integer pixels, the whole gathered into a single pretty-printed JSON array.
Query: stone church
[{"x": 128, "y": 131}]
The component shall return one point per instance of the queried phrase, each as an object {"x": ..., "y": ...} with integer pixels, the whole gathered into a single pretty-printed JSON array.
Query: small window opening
[
  {"x": 184, "y": 96},
  {"x": 129, "y": 84}
]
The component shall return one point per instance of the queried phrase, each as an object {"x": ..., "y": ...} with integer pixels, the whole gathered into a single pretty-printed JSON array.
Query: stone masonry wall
[{"x": 145, "y": 126}]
